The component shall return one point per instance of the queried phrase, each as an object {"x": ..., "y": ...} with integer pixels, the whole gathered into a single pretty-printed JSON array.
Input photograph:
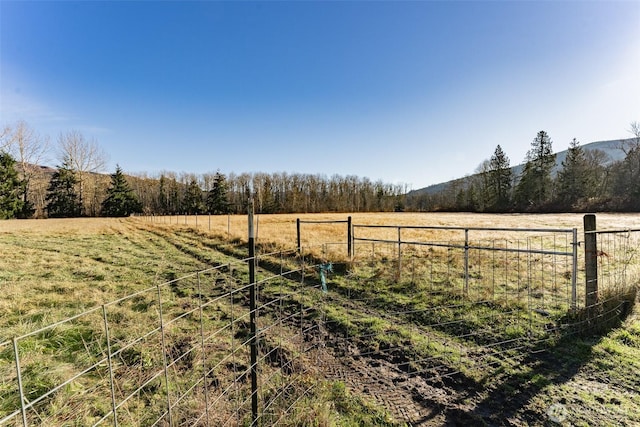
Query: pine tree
[
  {"x": 193, "y": 203},
  {"x": 572, "y": 182},
  {"x": 121, "y": 200},
  {"x": 62, "y": 199},
  {"x": 626, "y": 177},
  {"x": 626, "y": 173},
  {"x": 499, "y": 181},
  {"x": 534, "y": 188},
  {"x": 163, "y": 198},
  {"x": 217, "y": 199},
  {"x": 11, "y": 188}
]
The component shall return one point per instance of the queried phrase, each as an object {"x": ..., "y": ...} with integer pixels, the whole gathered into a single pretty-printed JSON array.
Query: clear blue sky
[{"x": 406, "y": 92}]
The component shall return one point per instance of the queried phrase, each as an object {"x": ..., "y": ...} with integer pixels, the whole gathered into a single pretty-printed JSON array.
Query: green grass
[{"x": 534, "y": 357}]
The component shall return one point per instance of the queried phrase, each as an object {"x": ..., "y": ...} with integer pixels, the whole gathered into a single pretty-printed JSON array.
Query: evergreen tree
[
  {"x": 11, "y": 188},
  {"x": 499, "y": 180},
  {"x": 175, "y": 201},
  {"x": 121, "y": 200},
  {"x": 471, "y": 202},
  {"x": 28, "y": 209},
  {"x": 534, "y": 188},
  {"x": 163, "y": 197},
  {"x": 217, "y": 199},
  {"x": 599, "y": 173},
  {"x": 193, "y": 203},
  {"x": 626, "y": 178},
  {"x": 62, "y": 199},
  {"x": 573, "y": 180}
]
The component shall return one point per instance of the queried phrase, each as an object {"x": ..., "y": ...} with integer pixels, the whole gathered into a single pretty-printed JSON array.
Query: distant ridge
[{"x": 612, "y": 148}]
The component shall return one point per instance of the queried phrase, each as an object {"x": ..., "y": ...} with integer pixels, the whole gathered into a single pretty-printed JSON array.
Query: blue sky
[{"x": 404, "y": 92}]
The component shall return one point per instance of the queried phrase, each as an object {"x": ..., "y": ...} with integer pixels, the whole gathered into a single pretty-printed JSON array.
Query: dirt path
[{"x": 414, "y": 399}]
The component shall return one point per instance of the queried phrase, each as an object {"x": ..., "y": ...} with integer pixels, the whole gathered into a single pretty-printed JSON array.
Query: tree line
[
  {"x": 77, "y": 186},
  {"x": 217, "y": 193},
  {"x": 586, "y": 180}
]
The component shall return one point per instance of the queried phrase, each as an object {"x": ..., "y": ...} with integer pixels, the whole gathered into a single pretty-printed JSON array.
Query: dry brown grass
[
  {"x": 280, "y": 230},
  {"x": 70, "y": 226}
]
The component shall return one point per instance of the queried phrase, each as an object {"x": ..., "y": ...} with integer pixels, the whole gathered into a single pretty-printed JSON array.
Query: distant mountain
[{"x": 611, "y": 148}]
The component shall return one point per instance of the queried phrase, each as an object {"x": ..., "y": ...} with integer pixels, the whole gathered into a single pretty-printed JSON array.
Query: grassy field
[
  {"x": 53, "y": 269},
  {"x": 281, "y": 229}
]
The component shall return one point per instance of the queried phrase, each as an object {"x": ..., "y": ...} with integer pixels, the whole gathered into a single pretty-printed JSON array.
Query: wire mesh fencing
[
  {"x": 618, "y": 255},
  {"x": 174, "y": 354},
  {"x": 499, "y": 265},
  {"x": 613, "y": 274}
]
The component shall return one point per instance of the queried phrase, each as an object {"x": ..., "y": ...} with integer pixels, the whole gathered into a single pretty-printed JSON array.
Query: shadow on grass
[{"x": 510, "y": 391}]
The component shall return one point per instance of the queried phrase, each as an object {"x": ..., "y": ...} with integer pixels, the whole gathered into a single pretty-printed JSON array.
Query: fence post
[
  {"x": 114, "y": 407},
  {"x": 591, "y": 260},
  {"x": 252, "y": 319},
  {"x": 349, "y": 238},
  {"x": 298, "y": 234},
  {"x": 164, "y": 356},
  {"x": 466, "y": 261},
  {"x": 204, "y": 351},
  {"x": 20, "y": 386},
  {"x": 574, "y": 271},
  {"x": 399, "y": 253}
]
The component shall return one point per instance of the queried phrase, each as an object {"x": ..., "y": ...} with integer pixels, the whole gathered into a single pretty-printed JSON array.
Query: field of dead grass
[{"x": 280, "y": 230}]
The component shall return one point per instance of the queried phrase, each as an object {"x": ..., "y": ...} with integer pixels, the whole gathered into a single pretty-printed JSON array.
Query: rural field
[{"x": 411, "y": 334}]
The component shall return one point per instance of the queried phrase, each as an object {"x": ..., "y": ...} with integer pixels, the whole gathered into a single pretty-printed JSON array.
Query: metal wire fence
[
  {"x": 612, "y": 284},
  {"x": 173, "y": 354},
  {"x": 498, "y": 264},
  {"x": 618, "y": 252},
  {"x": 411, "y": 305}
]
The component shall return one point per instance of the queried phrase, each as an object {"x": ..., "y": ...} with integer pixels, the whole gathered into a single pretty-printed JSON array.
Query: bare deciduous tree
[
  {"x": 87, "y": 158},
  {"x": 29, "y": 150},
  {"x": 635, "y": 130},
  {"x": 4, "y": 137}
]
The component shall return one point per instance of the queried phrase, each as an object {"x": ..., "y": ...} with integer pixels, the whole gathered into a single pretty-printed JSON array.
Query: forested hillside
[{"x": 602, "y": 176}]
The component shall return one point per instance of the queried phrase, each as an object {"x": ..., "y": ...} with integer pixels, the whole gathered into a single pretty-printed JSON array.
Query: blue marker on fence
[{"x": 324, "y": 269}]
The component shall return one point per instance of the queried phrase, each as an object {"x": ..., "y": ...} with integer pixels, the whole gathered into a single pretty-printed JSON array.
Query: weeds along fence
[{"x": 258, "y": 340}]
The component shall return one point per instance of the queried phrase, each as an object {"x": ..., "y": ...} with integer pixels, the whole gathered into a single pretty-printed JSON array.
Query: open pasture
[
  {"x": 281, "y": 229},
  {"x": 413, "y": 337}
]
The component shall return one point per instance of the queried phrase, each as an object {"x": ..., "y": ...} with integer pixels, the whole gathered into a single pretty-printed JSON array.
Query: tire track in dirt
[{"x": 409, "y": 398}]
